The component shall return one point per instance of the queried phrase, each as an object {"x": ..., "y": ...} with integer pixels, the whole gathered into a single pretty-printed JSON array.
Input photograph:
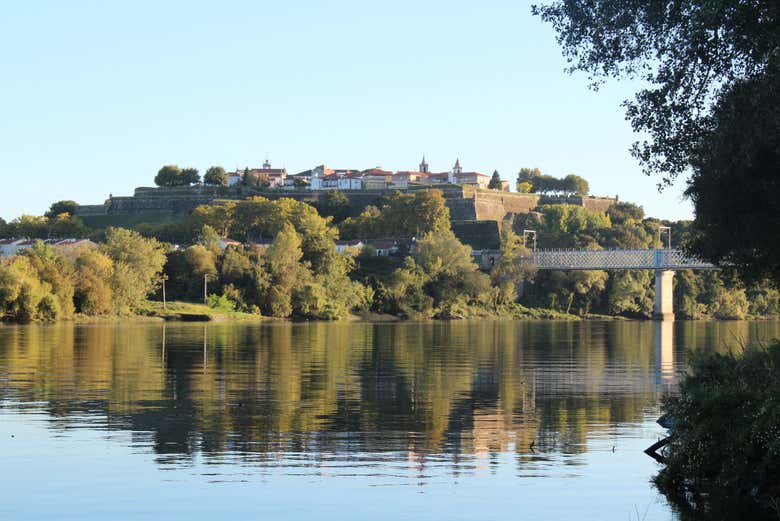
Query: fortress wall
[
  {"x": 478, "y": 234},
  {"x": 495, "y": 205},
  {"x": 598, "y": 204}
]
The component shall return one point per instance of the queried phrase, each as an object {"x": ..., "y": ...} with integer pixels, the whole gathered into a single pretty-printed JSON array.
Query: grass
[{"x": 191, "y": 311}]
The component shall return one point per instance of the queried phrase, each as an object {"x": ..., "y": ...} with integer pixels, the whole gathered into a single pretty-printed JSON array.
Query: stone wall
[
  {"x": 465, "y": 202},
  {"x": 478, "y": 234}
]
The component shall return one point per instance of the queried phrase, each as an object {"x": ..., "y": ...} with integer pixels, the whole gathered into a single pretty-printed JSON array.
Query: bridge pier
[{"x": 664, "y": 299}]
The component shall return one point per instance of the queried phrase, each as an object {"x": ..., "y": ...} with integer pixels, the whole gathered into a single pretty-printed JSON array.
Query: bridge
[{"x": 663, "y": 261}]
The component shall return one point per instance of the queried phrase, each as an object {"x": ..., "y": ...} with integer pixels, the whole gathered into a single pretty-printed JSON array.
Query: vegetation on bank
[
  {"x": 724, "y": 453},
  {"x": 288, "y": 265}
]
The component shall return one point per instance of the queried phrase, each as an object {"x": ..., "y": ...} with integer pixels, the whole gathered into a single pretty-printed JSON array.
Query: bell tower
[{"x": 423, "y": 166}]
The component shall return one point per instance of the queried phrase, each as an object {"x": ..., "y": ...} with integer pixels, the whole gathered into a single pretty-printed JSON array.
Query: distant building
[
  {"x": 276, "y": 176},
  {"x": 10, "y": 247}
]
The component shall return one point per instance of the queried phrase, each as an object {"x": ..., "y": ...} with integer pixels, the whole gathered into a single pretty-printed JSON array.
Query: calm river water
[{"x": 483, "y": 420}]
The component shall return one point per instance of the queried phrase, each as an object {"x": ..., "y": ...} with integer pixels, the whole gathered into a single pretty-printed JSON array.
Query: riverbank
[{"x": 197, "y": 312}]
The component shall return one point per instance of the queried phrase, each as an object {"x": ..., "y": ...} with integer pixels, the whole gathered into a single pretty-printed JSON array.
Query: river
[{"x": 487, "y": 420}]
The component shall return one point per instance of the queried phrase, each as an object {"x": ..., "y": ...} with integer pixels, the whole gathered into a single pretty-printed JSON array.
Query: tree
[
  {"x": 525, "y": 179},
  {"x": 56, "y": 271},
  {"x": 735, "y": 182},
  {"x": 201, "y": 261},
  {"x": 686, "y": 51},
  {"x": 138, "y": 262},
  {"x": 283, "y": 263},
  {"x": 190, "y": 176},
  {"x": 574, "y": 184},
  {"x": 335, "y": 204},
  {"x": 169, "y": 175},
  {"x": 216, "y": 176},
  {"x": 94, "y": 274},
  {"x": 60, "y": 207},
  {"x": 495, "y": 181},
  {"x": 23, "y": 297},
  {"x": 511, "y": 271}
]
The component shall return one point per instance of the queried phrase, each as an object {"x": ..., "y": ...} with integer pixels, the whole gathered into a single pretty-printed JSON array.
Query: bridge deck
[{"x": 661, "y": 259}]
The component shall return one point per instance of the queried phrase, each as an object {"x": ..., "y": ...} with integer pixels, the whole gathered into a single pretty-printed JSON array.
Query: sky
[{"x": 96, "y": 96}]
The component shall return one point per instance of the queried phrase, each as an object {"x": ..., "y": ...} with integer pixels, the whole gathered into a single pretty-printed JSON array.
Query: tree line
[
  {"x": 288, "y": 265},
  {"x": 531, "y": 180}
]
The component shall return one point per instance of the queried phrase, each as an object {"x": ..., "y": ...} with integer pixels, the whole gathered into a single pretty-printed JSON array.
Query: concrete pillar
[{"x": 664, "y": 301}]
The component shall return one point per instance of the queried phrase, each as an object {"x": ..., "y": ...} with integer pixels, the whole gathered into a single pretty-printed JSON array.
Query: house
[
  {"x": 274, "y": 176},
  {"x": 299, "y": 180},
  {"x": 349, "y": 181},
  {"x": 224, "y": 243},
  {"x": 459, "y": 177},
  {"x": 376, "y": 179},
  {"x": 383, "y": 247},
  {"x": 9, "y": 247},
  {"x": 354, "y": 245}
]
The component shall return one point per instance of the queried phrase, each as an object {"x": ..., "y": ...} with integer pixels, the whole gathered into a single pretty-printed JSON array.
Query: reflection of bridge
[{"x": 664, "y": 261}]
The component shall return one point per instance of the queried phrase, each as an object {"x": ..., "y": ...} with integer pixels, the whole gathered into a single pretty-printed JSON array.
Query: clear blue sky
[{"x": 96, "y": 96}]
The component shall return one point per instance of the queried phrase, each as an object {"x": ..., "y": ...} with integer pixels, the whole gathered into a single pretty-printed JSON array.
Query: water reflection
[
  {"x": 458, "y": 420},
  {"x": 414, "y": 392}
]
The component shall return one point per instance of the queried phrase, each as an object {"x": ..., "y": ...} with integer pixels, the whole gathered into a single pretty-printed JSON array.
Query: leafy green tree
[
  {"x": 366, "y": 225},
  {"x": 66, "y": 206},
  {"x": 335, "y": 204},
  {"x": 94, "y": 275},
  {"x": 138, "y": 263},
  {"x": 452, "y": 278},
  {"x": 23, "y": 297},
  {"x": 65, "y": 225},
  {"x": 32, "y": 226},
  {"x": 282, "y": 261},
  {"x": 200, "y": 261},
  {"x": 574, "y": 184},
  {"x": 684, "y": 51},
  {"x": 217, "y": 176},
  {"x": 511, "y": 270},
  {"x": 525, "y": 179},
  {"x": 169, "y": 175},
  {"x": 210, "y": 239},
  {"x": 495, "y": 181},
  {"x": 56, "y": 271},
  {"x": 625, "y": 213},
  {"x": 631, "y": 293},
  {"x": 190, "y": 176},
  {"x": 220, "y": 216},
  {"x": 735, "y": 183}
]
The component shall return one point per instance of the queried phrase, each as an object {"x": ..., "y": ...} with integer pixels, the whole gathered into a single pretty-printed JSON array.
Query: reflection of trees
[{"x": 464, "y": 388}]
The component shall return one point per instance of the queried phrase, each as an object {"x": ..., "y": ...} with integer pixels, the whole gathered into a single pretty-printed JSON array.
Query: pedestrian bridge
[
  {"x": 664, "y": 261},
  {"x": 661, "y": 259}
]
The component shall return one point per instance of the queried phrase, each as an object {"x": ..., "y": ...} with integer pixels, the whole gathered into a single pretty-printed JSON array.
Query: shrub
[{"x": 725, "y": 451}]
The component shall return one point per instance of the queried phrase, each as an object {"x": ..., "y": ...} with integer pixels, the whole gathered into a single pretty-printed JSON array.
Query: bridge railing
[{"x": 616, "y": 259}]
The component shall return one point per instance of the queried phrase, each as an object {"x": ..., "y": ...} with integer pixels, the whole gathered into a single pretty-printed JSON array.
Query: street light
[
  {"x": 668, "y": 231},
  {"x": 529, "y": 233}
]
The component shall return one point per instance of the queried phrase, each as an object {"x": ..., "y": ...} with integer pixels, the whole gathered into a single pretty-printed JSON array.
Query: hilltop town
[{"x": 479, "y": 204}]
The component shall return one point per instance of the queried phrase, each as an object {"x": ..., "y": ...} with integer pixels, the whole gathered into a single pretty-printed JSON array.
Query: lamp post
[
  {"x": 163, "y": 279},
  {"x": 668, "y": 231},
  {"x": 205, "y": 287},
  {"x": 529, "y": 233}
]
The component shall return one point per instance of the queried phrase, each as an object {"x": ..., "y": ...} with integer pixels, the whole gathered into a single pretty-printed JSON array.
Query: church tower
[
  {"x": 456, "y": 171},
  {"x": 267, "y": 164},
  {"x": 424, "y": 166}
]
